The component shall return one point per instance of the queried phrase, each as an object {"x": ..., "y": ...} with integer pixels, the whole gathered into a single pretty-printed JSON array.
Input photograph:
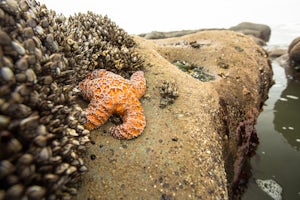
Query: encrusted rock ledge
[
  {"x": 198, "y": 134},
  {"x": 195, "y": 147}
]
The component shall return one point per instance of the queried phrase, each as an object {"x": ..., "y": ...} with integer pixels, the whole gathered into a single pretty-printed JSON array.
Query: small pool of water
[{"x": 278, "y": 127}]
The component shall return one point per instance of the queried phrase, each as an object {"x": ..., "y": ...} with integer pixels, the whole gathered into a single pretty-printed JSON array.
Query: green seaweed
[{"x": 195, "y": 71}]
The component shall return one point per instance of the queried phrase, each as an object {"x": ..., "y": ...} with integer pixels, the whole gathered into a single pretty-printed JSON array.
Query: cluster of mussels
[
  {"x": 42, "y": 58},
  {"x": 93, "y": 41}
]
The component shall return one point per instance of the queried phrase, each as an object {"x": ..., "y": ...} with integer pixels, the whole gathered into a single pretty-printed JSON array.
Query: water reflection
[
  {"x": 286, "y": 109},
  {"x": 277, "y": 128}
]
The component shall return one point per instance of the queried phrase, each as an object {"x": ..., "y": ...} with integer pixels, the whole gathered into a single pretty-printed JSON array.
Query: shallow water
[{"x": 278, "y": 127}]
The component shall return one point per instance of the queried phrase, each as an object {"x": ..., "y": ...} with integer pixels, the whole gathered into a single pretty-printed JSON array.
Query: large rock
[
  {"x": 260, "y": 31},
  {"x": 196, "y": 147},
  {"x": 161, "y": 35},
  {"x": 294, "y": 52},
  {"x": 277, "y": 52},
  {"x": 154, "y": 35}
]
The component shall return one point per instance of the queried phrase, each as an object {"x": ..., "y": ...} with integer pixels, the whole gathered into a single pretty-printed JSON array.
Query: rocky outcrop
[
  {"x": 196, "y": 146},
  {"x": 161, "y": 35},
  {"x": 247, "y": 141},
  {"x": 277, "y": 52},
  {"x": 294, "y": 52},
  {"x": 154, "y": 35},
  {"x": 260, "y": 31}
]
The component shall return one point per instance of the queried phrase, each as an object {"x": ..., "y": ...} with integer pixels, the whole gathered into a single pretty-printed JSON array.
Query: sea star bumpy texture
[{"x": 110, "y": 94}]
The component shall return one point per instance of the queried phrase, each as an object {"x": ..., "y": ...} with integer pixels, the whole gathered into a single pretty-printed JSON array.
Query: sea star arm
[
  {"x": 134, "y": 122},
  {"x": 98, "y": 113},
  {"x": 139, "y": 83}
]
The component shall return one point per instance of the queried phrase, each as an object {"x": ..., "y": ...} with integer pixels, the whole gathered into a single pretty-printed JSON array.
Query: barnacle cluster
[
  {"x": 43, "y": 56},
  {"x": 168, "y": 92}
]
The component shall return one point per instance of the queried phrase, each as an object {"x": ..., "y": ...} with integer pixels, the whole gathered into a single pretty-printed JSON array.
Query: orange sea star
[{"x": 110, "y": 94}]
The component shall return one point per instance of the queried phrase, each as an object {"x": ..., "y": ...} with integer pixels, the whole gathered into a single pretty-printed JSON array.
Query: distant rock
[
  {"x": 154, "y": 35},
  {"x": 162, "y": 35},
  {"x": 293, "y": 43},
  {"x": 283, "y": 60},
  {"x": 294, "y": 52},
  {"x": 260, "y": 31},
  {"x": 276, "y": 52},
  {"x": 258, "y": 41}
]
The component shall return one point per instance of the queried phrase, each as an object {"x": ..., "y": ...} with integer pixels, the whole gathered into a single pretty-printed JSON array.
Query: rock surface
[
  {"x": 276, "y": 52},
  {"x": 294, "y": 52},
  {"x": 188, "y": 149},
  {"x": 260, "y": 31}
]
